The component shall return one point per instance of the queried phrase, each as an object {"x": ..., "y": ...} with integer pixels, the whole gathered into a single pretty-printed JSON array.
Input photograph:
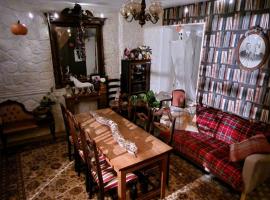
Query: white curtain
[
  {"x": 185, "y": 54},
  {"x": 175, "y": 63},
  {"x": 158, "y": 38}
]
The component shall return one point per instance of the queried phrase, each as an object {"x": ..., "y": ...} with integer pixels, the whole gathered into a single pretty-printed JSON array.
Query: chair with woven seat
[{"x": 100, "y": 173}]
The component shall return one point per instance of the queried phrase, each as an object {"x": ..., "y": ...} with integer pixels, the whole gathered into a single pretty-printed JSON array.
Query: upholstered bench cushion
[
  {"x": 217, "y": 161},
  {"x": 233, "y": 129},
  {"x": 208, "y": 120},
  {"x": 16, "y": 126},
  {"x": 210, "y": 153},
  {"x": 192, "y": 145}
]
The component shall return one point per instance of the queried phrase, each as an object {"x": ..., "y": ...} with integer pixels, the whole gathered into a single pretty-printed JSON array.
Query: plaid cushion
[
  {"x": 208, "y": 120},
  {"x": 233, "y": 129},
  {"x": 261, "y": 128},
  {"x": 192, "y": 145},
  {"x": 255, "y": 144},
  {"x": 217, "y": 162}
]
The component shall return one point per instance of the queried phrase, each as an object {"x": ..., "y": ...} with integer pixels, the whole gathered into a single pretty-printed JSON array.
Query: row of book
[
  {"x": 223, "y": 6},
  {"x": 236, "y": 90},
  {"x": 227, "y": 73},
  {"x": 240, "y": 22},
  {"x": 225, "y": 39},
  {"x": 182, "y": 21},
  {"x": 256, "y": 4},
  {"x": 217, "y": 55},
  {"x": 220, "y": 7},
  {"x": 239, "y": 107},
  {"x": 192, "y": 10}
]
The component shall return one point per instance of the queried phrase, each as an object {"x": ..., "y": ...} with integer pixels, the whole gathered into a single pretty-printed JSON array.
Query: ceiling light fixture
[
  {"x": 56, "y": 16},
  {"x": 30, "y": 15},
  {"x": 186, "y": 10},
  {"x": 135, "y": 9}
]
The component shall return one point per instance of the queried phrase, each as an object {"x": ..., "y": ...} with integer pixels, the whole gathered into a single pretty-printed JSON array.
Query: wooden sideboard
[{"x": 74, "y": 101}]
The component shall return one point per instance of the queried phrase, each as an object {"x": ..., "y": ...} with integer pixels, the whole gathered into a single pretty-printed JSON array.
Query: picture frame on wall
[{"x": 253, "y": 49}]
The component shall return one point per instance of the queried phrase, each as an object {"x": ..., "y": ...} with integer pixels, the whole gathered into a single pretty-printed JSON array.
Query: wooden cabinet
[
  {"x": 135, "y": 76},
  {"x": 84, "y": 102}
]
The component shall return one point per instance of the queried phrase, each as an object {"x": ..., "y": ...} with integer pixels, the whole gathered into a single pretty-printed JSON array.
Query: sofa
[
  {"x": 206, "y": 137},
  {"x": 14, "y": 119}
]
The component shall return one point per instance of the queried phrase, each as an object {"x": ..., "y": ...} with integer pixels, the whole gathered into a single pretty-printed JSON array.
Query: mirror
[{"x": 77, "y": 46}]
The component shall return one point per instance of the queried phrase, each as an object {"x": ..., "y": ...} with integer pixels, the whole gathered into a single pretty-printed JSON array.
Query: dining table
[{"x": 150, "y": 150}]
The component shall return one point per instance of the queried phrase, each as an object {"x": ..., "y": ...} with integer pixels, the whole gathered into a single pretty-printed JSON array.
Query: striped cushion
[
  {"x": 208, "y": 120},
  {"x": 109, "y": 177},
  {"x": 233, "y": 129},
  {"x": 102, "y": 158},
  {"x": 255, "y": 144},
  {"x": 114, "y": 182}
]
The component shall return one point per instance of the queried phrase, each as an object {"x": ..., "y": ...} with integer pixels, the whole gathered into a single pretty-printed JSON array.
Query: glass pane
[
  {"x": 77, "y": 51},
  {"x": 90, "y": 40}
]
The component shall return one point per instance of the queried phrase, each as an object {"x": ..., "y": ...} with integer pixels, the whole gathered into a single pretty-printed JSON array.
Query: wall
[
  {"x": 26, "y": 71},
  {"x": 223, "y": 83}
]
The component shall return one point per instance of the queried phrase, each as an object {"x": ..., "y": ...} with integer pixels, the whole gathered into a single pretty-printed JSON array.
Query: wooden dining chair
[
  {"x": 68, "y": 136},
  {"x": 76, "y": 141},
  {"x": 142, "y": 115},
  {"x": 99, "y": 173}
]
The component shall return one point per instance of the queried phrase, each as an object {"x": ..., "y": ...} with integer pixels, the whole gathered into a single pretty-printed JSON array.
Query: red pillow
[{"x": 255, "y": 144}]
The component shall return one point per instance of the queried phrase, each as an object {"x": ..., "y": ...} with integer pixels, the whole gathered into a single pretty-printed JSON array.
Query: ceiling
[{"x": 98, "y": 5}]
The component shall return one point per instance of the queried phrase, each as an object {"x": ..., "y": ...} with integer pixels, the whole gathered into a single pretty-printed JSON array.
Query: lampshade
[{"x": 136, "y": 9}]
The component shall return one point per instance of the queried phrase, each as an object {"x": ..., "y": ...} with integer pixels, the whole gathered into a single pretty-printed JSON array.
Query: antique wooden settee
[{"x": 14, "y": 118}]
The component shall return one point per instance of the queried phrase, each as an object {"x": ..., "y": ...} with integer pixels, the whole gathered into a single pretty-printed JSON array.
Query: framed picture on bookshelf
[{"x": 252, "y": 50}]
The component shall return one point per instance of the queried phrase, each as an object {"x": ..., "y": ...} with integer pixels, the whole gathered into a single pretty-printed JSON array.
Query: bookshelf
[{"x": 222, "y": 84}]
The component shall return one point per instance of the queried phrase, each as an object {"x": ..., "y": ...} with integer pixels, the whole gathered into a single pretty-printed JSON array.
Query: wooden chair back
[
  {"x": 64, "y": 114},
  {"x": 178, "y": 98},
  {"x": 91, "y": 157},
  {"x": 73, "y": 129},
  {"x": 113, "y": 85}
]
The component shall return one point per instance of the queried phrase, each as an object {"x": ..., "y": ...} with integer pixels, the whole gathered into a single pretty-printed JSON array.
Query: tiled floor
[{"x": 45, "y": 173}]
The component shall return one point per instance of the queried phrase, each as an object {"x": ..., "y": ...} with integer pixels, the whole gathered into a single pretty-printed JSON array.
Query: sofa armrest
[{"x": 255, "y": 171}]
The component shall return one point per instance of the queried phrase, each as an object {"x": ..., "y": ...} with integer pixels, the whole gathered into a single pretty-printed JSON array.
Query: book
[
  {"x": 229, "y": 23},
  {"x": 246, "y": 109},
  {"x": 265, "y": 116},
  {"x": 264, "y": 23},
  {"x": 250, "y": 94}
]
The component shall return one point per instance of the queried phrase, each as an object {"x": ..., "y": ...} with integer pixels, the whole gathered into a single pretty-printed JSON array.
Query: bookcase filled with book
[{"x": 222, "y": 83}]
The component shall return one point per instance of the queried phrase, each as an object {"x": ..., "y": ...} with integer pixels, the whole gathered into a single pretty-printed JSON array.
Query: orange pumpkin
[{"x": 18, "y": 29}]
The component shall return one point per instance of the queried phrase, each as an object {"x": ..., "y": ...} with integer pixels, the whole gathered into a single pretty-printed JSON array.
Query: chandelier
[{"x": 135, "y": 9}]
